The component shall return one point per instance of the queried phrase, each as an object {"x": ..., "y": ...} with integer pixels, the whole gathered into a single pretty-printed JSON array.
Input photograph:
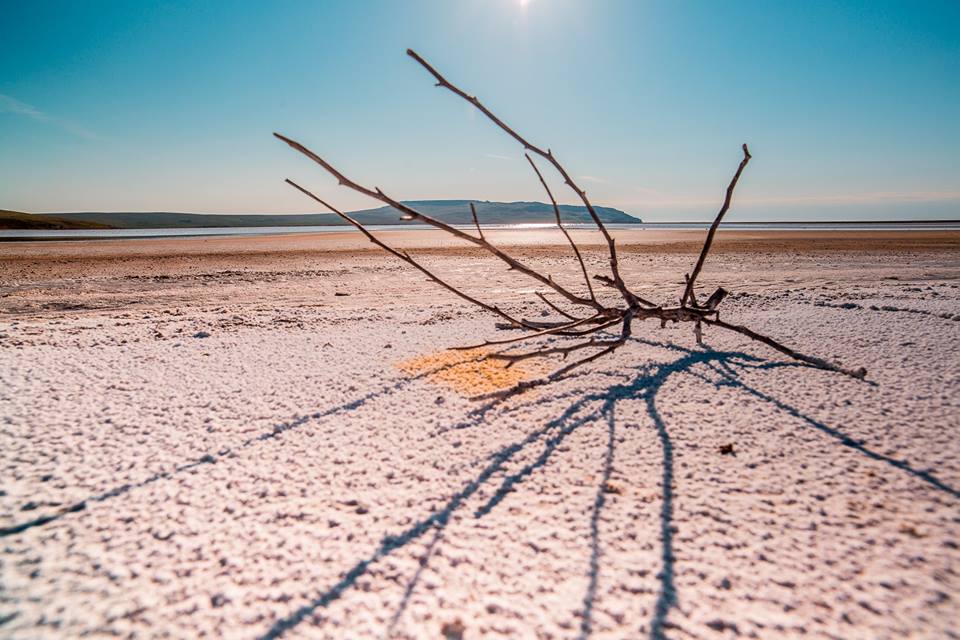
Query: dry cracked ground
[{"x": 238, "y": 446}]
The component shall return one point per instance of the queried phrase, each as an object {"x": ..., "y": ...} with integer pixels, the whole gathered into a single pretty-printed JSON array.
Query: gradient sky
[{"x": 851, "y": 109}]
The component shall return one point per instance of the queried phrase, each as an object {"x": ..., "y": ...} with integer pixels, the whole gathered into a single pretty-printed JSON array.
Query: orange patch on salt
[{"x": 467, "y": 373}]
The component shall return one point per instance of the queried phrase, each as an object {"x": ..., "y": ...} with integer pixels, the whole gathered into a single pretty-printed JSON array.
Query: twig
[
  {"x": 820, "y": 363},
  {"x": 604, "y": 315},
  {"x": 505, "y": 355},
  {"x": 545, "y": 154},
  {"x": 637, "y": 300},
  {"x": 511, "y": 358},
  {"x": 556, "y": 211},
  {"x": 473, "y": 210},
  {"x": 547, "y": 302},
  {"x": 406, "y": 258},
  {"x": 525, "y": 385},
  {"x": 545, "y": 332},
  {"x": 691, "y": 281},
  {"x": 413, "y": 214}
]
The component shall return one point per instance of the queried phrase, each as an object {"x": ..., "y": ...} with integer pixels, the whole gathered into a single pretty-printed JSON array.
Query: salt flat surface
[{"x": 252, "y": 462}]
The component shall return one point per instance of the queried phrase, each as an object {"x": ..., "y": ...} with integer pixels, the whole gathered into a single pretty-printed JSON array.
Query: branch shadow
[
  {"x": 553, "y": 433},
  {"x": 730, "y": 378},
  {"x": 668, "y": 592},
  {"x": 211, "y": 458},
  {"x": 645, "y": 385},
  {"x": 599, "y": 501},
  {"x": 412, "y": 584},
  {"x": 586, "y": 408}
]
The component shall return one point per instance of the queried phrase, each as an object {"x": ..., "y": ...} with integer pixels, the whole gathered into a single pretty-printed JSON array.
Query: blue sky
[{"x": 851, "y": 109}]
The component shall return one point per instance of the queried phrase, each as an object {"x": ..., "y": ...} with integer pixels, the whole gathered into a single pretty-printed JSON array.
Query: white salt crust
[{"x": 252, "y": 462}]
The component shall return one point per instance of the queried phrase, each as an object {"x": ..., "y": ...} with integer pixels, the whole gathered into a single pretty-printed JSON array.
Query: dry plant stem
[
  {"x": 406, "y": 258},
  {"x": 512, "y": 358},
  {"x": 520, "y": 387},
  {"x": 692, "y": 280},
  {"x": 545, "y": 154},
  {"x": 556, "y": 211},
  {"x": 820, "y": 363},
  {"x": 625, "y": 333},
  {"x": 604, "y": 316},
  {"x": 476, "y": 223},
  {"x": 715, "y": 299},
  {"x": 504, "y": 355},
  {"x": 413, "y": 214},
  {"x": 545, "y": 332},
  {"x": 554, "y": 307},
  {"x": 473, "y": 211},
  {"x": 638, "y": 301},
  {"x": 693, "y": 294}
]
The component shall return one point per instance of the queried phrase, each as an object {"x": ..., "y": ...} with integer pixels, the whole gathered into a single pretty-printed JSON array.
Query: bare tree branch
[
  {"x": 547, "y": 302},
  {"x": 692, "y": 280},
  {"x": 820, "y": 363},
  {"x": 545, "y": 154},
  {"x": 518, "y": 356},
  {"x": 545, "y": 332},
  {"x": 406, "y": 258},
  {"x": 604, "y": 315},
  {"x": 525, "y": 385},
  {"x": 413, "y": 214},
  {"x": 637, "y": 300},
  {"x": 556, "y": 211},
  {"x": 473, "y": 211}
]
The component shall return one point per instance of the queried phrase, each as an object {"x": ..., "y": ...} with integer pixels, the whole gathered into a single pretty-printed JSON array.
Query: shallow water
[{"x": 104, "y": 234}]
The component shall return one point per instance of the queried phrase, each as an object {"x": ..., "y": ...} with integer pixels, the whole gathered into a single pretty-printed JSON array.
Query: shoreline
[
  {"x": 681, "y": 240},
  {"x": 56, "y": 235}
]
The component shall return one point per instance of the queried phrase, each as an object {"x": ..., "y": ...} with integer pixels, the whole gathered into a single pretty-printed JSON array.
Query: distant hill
[
  {"x": 20, "y": 220},
  {"x": 450, "y": 211}
]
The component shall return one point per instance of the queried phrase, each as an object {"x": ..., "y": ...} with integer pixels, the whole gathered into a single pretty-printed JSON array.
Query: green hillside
[
  {"x": 20, "y": 220},
  {"x": 451, "y": 211}
]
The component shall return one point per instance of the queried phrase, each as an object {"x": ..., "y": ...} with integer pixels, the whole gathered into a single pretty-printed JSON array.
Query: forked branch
[
  {"x": 546, "y": 155},
  {"x": 556, "y": 212},
  {"x": 691, "y": 281},
  {"x": 602, "y": 316},
  {"x": 406, "y": 258},
  {"x": 413, "y": 214}
]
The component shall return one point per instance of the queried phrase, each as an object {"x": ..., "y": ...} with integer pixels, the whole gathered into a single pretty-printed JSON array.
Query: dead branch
[
  {"x": 547, "y": 155},
  {"x": 406, "y": 258},
  {"x": 556, "y": 211},
  {"x": 603, "y": 316},
  {"x": 502, "y": 355},
  {"x": 413, "y": 214},
  {"x": 563, "y": 351},
  {"x": 820, "y": 363},
  {"x": 691, "y": 281},
  {"x": 473, "y": 211},
  {"x": 547, "y": 302},
  {"x": 545, "y": 332},
  {"x": 525, "y": 385}
]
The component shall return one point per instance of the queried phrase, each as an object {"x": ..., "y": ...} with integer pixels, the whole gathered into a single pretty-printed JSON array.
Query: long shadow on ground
[
  {"x": 587, "y": 408},
  {"x": 213, "y": 457},
  {"x": 582, "y": 411}
]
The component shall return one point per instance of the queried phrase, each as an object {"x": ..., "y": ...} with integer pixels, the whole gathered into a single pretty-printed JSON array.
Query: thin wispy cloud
[
  {"x": 594, "y": 179},
  {"x": 12, "y": 105},
  {"x": 9, "y": 104},
  {"x": 497, "y": 156}
]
